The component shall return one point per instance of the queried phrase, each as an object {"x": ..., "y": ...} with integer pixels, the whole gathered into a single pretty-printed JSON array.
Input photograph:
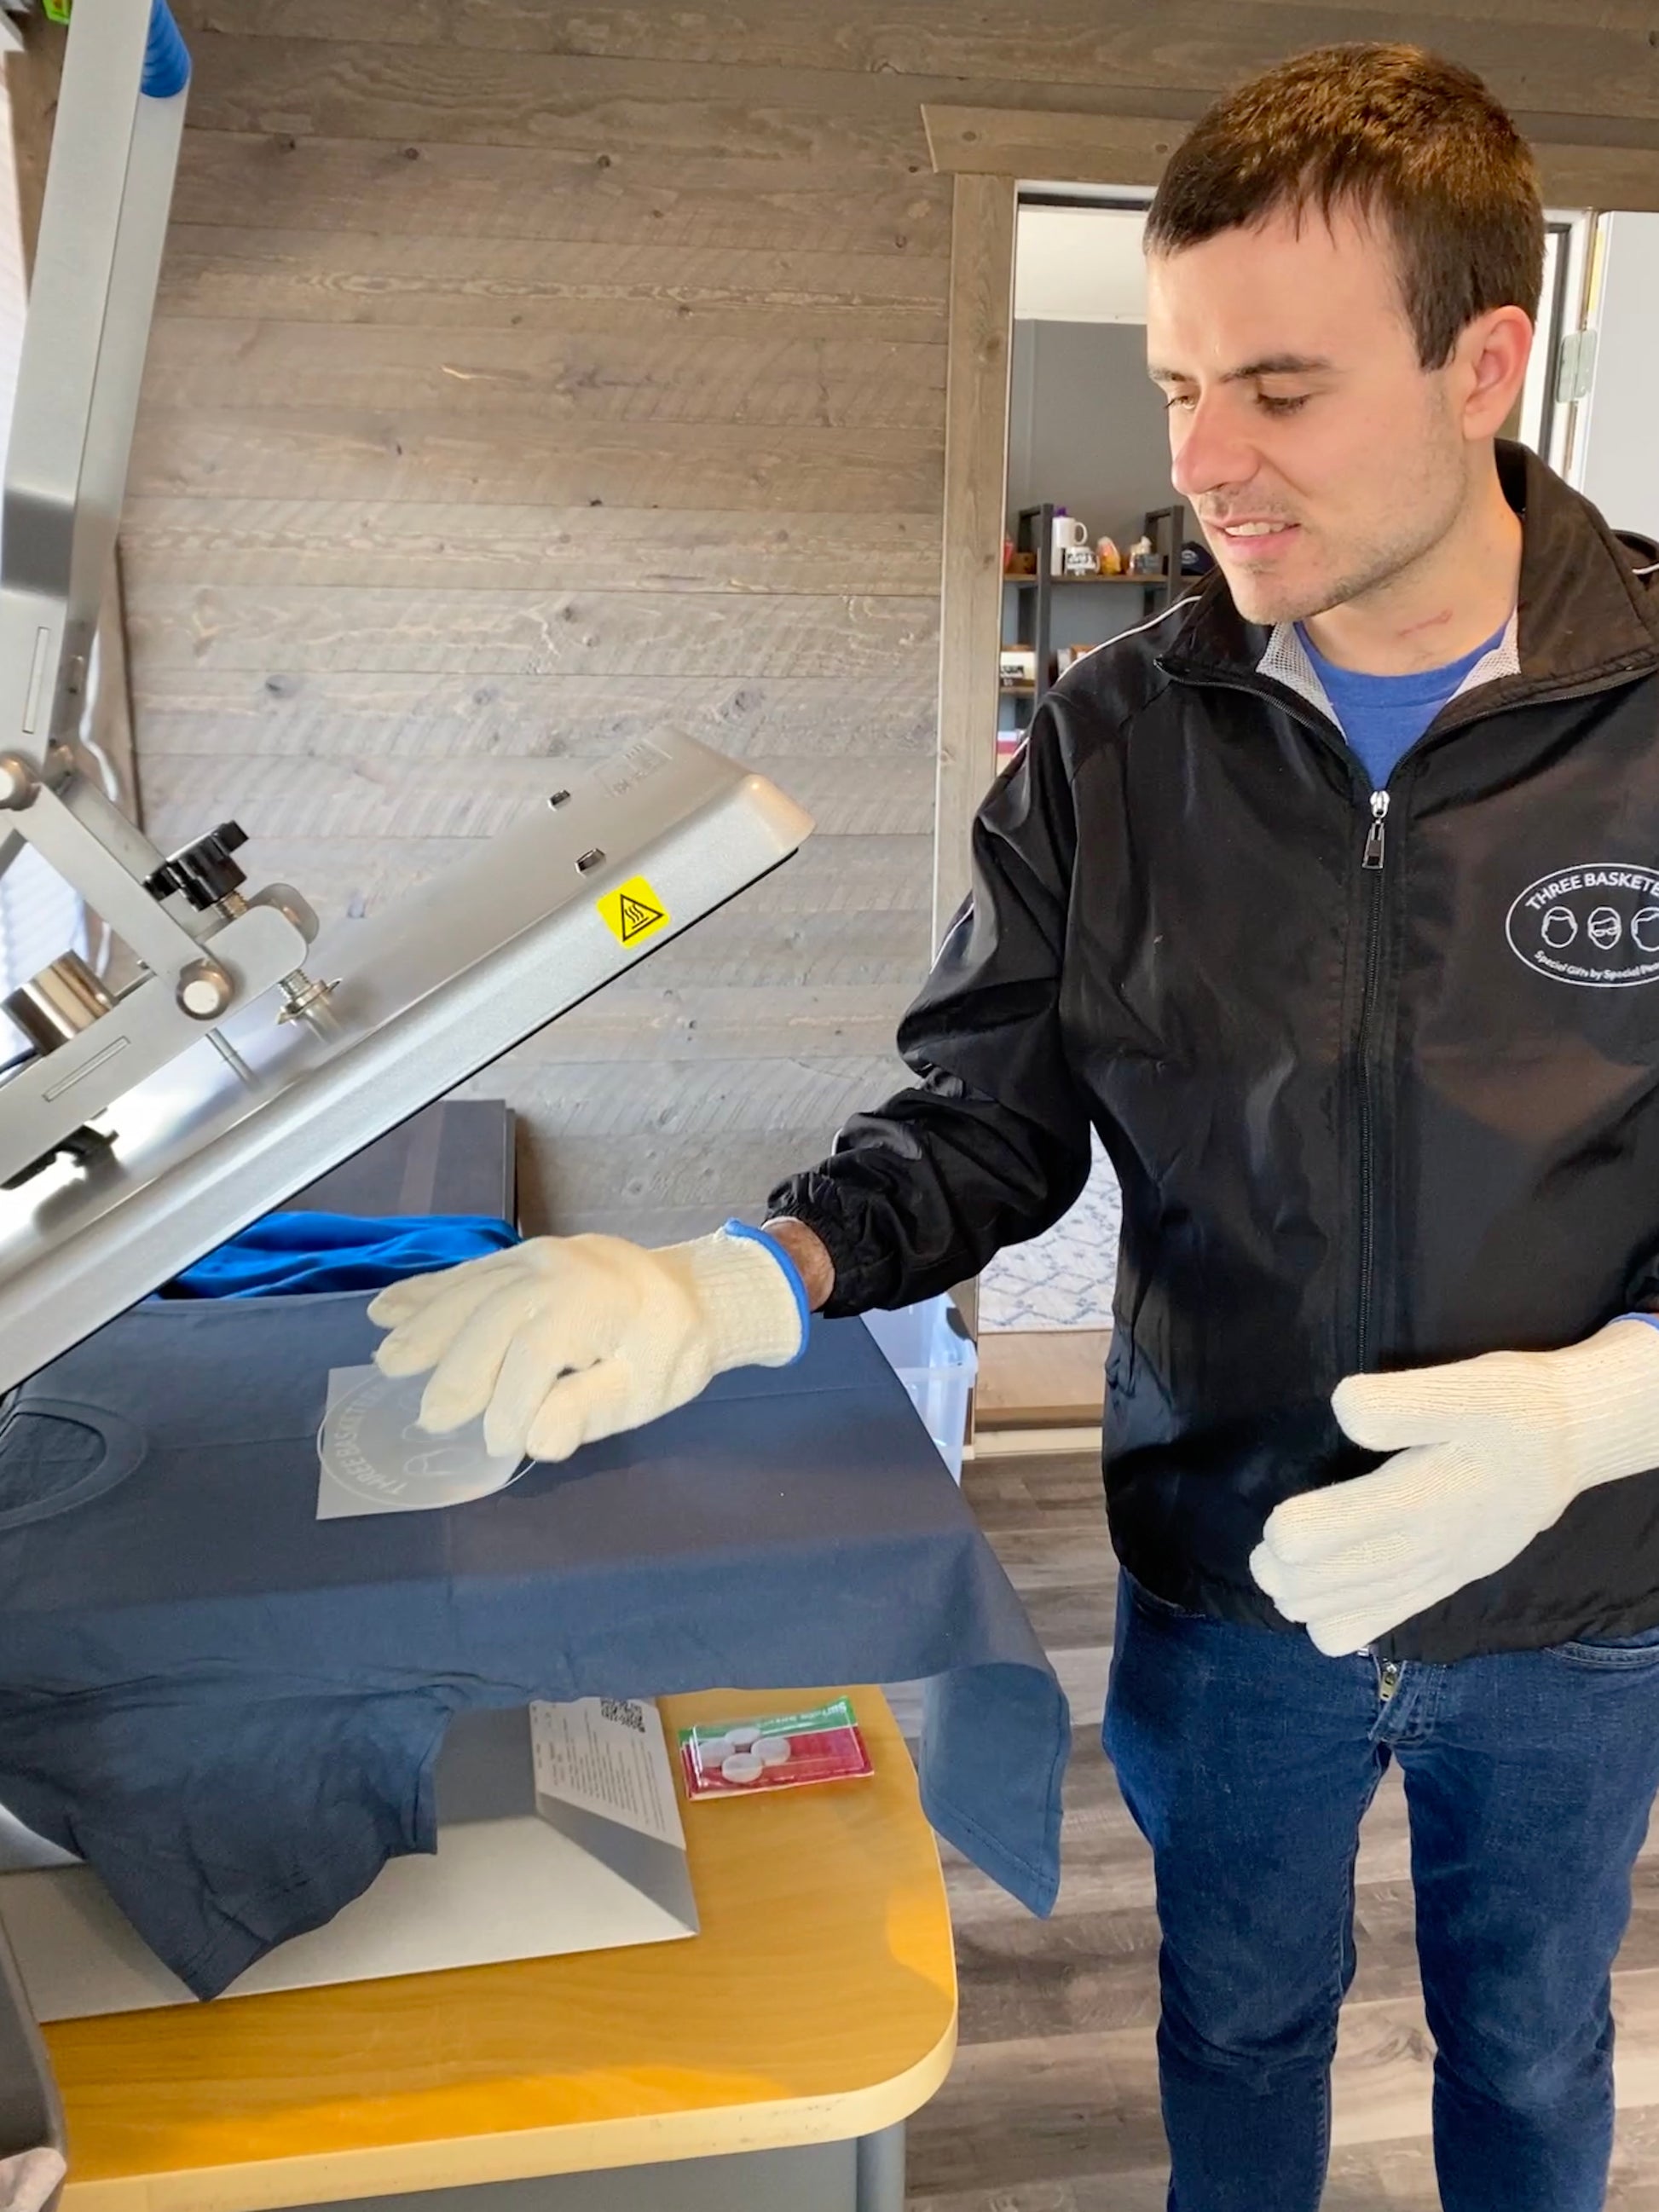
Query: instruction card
[{"x": 606, "y": 1756}]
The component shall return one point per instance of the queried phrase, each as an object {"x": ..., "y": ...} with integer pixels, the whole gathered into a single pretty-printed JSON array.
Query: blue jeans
[{"x": 1248, "y": 1759}]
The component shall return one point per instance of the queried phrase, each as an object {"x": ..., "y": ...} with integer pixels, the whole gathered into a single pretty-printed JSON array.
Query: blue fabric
[
  {"x": 1651, "y": 1319},
  {"x": 289, "y": 1253},
  {"x": 1247, "y": 1758},
  {"x": 232, "y": 1709},
  {"x": 1383, "y": 716}
]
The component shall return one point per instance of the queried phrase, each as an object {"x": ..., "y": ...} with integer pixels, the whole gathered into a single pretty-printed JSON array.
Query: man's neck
[{"x": 1451, "y": 602}]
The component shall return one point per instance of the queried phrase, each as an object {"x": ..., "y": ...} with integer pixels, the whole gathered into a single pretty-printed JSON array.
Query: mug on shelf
[{"x": 1069, "y": 530}]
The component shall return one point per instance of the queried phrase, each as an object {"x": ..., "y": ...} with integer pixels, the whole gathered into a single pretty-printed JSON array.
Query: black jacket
[{"x": 1363, "y": 1116}]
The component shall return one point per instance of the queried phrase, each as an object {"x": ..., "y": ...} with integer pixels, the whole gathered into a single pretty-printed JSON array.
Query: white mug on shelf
[{"x": 1069, "y": 530}]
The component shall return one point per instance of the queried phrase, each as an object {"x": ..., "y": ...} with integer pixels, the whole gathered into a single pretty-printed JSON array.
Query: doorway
[{"x": 1089, "y": 510}]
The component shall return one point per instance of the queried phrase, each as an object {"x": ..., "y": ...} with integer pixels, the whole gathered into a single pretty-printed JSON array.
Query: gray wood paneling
[
  {"x": 459, "y": 95},
  {"x": 557, "y": 718},
  {"x": 420, "y": 544},
  {"x": 330, "y": 452},
  {"x": 766, "y": 296},
  {"x": 351, "y": 631},
  {"x": 1085, "y": 36},
  {"x": 646, "y": 1018},
  {"x": 630, "y": 198},
  {"x": 1597, "y": 59},
  {"x": 574, "y": 381}
]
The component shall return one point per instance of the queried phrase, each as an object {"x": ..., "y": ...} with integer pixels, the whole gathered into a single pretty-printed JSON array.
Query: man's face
[{"x": 1322, "y": 461}]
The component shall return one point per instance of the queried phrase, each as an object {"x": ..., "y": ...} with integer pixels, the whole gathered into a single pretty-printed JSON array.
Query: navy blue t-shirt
[{"x": 1383, "y": 716}]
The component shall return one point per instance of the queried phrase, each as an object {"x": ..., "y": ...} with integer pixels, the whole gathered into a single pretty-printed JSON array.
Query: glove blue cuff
[
  {"x": 792, "y": 1277},
  {"x": 1651, "y": 1319}
]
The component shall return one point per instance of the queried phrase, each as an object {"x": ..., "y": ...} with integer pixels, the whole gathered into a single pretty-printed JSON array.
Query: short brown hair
[{"x": 1394, "y": 133}]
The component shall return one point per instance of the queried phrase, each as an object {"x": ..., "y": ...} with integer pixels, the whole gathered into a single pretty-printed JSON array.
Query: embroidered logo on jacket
[{"x": 1595, "y": 925}]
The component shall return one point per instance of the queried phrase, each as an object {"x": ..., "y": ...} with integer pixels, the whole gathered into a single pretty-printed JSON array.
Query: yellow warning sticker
[{"x": 633, "y": 913}]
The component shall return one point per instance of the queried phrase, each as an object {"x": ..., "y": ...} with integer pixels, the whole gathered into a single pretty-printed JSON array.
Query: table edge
[{"x": 527, "y": 2153}]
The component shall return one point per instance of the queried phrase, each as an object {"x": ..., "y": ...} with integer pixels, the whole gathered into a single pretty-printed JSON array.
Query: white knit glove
[
  {"x": 1496, "y": 1450},
  {"x": 564, "y": 1340}
]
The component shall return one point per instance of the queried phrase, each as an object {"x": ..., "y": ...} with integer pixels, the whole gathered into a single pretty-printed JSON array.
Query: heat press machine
[{"x": 241, "y": 1051}]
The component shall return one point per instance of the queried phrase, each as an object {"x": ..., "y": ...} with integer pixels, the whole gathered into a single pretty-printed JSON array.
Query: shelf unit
[{"x": 1034, "y": 595}]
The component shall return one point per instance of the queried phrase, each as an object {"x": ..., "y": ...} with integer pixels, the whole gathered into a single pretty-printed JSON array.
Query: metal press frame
[{"x": 103, "y": 224}]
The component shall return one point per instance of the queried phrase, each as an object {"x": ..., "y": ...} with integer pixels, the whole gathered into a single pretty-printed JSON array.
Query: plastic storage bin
[{"x": 929, "y": 1349}]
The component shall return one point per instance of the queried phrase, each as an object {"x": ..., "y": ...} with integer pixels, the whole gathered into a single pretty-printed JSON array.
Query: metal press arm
[{"x": 103, "y": 226}]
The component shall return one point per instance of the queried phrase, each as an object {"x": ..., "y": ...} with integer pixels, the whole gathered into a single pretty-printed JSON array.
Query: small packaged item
[{"x": 782, "y": 1751}]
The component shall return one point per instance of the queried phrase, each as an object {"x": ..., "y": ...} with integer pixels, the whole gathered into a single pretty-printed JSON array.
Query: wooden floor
[{"x": 1052, "y": 2106}]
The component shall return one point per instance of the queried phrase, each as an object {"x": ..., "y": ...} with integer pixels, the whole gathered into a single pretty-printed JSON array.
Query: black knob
[{"x": 203, "y": 872}]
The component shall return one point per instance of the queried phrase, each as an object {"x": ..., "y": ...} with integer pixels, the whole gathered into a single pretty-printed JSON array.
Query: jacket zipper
[
  {"x": 1371, "y": 863},
  {"x": 1374, "y": 835}
]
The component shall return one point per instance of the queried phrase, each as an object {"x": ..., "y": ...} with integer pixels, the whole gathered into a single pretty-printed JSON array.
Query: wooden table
[{"x": 788, "y": 2042}]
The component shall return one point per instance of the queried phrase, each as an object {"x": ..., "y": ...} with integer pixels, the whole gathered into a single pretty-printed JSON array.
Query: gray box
[{"x": 453, "y": 1156}]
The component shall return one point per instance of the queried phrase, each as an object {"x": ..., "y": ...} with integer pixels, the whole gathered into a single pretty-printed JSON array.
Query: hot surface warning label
[{"x": 633, "y": 913}]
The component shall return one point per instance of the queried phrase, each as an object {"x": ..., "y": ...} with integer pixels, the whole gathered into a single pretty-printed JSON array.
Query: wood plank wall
[{"x": 530, "y": 373}]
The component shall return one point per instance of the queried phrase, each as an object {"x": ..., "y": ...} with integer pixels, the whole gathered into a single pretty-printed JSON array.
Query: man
[{"x": 1331, "y": 899}]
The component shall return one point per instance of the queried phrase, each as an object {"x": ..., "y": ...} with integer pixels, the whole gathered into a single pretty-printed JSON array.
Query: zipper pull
[{"x": 1374, "y": 836}]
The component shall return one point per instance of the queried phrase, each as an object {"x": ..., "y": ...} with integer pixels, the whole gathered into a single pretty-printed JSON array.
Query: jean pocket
[
  {"x": 1159, "y": 1609},
  {"x": 1639, "y": 1650}
]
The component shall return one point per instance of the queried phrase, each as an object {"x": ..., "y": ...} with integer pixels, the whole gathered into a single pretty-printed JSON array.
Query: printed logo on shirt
[{"x": 1595, "y": 925}]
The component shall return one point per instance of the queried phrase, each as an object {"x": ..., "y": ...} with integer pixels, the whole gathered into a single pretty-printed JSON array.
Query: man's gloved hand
[
  {"x": 564, "y": 1340},
  {"x": 1495, "y": 1451}
]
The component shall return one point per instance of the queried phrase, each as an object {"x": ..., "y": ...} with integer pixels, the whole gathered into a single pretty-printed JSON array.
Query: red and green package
[{"x": 782, "y": 1751}]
